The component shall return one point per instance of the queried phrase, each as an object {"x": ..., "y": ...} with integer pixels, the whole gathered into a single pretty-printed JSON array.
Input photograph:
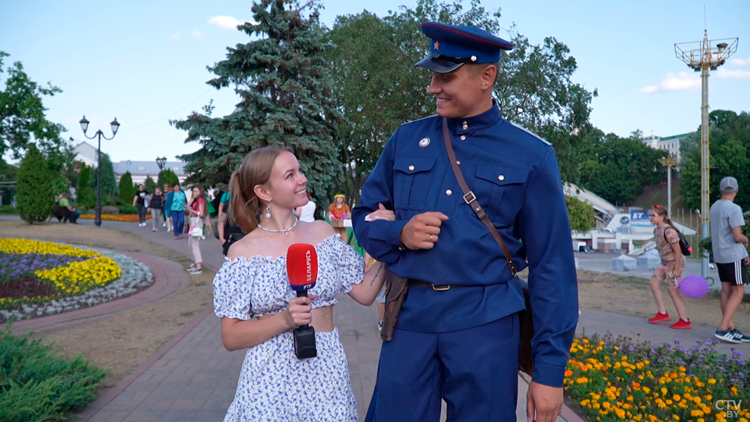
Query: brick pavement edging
[{"x": 169, "y": 279}]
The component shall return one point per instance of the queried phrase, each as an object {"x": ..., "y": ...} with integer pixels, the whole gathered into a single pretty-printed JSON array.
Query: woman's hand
[
  {"x": 299, "y": 311},
  {"x": 381, "y": 214}
]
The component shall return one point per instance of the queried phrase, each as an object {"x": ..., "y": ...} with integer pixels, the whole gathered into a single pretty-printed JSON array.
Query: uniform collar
[{"x": 471, "y": 124}]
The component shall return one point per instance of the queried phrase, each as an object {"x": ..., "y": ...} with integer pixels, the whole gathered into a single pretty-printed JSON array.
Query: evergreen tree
[
  {"x": 167, "y": 176},
  {"x": 285, "y": 85},
  {"x": 150, "y": 185},
  {"x": 108, "y": 181},
  {"x": 35, "y": 197},
  {"x": 85, "y": 195},
  {"x": 127, "y": 190}
]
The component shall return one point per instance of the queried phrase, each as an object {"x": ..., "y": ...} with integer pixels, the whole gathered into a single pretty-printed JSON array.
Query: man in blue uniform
[{"x": 457, "y": 337}]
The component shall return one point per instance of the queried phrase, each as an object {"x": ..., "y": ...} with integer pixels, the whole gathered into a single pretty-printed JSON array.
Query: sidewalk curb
[
  {"x": 565, "y": 412},
  {"x": 101, "y": 401}
]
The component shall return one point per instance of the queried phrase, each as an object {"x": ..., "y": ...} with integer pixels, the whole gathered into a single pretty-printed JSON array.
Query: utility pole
[{"x": 709, "y": 55}]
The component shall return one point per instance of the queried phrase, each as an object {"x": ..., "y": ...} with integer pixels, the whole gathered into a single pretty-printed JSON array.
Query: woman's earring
[{"x": 268, "y": 212}]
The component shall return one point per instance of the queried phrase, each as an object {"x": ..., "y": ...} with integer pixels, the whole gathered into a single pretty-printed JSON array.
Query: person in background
[
  {"x": 72, "y": 214},
  {"x": 306, "y": 213},
  {"x": 729, "y": 247},
  {"x": 166, "y": 211},
  {"x": 259, "y": 309},
  {"x": 670, "y": 270},
  {"x": 177, "y": 209},
  {"x": 156, "y": 204},
  {"x": 198, "y": 211},
  {"x": 139, "y": 200},
  {"x": 339, "y": 210}
]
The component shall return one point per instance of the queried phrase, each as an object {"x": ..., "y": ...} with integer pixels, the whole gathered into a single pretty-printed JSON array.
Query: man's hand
[
  {"x": 422, "y": 231},
  {"x": 544, "y": 401}
]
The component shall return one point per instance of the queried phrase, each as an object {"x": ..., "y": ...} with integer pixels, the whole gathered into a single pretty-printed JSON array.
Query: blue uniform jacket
[{"x": 515, "y": 177}]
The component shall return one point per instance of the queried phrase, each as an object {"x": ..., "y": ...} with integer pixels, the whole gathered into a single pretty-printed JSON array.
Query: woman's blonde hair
[{"x": 255, "y": 170}]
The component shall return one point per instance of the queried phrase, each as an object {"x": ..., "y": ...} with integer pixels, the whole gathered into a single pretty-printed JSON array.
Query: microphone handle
[{"x": 304, "y": 338}]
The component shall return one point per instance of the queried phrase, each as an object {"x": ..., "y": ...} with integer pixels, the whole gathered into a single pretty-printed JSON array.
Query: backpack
[{"x": 685, "y": 247}]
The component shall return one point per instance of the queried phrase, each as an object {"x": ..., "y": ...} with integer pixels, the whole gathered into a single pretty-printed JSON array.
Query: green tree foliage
[
  {"x": 61, "y": 164},
  {"x": 34, "y": 197},
  {"x": 167, "y": 176},
  {"x": 617, "y": 169},
  {"x": 379, "y": 87},
  {"x": 581, "y": 214},
  {"x": 40, "y": 386},
  {"x": 126, "y": 188},
  {"x": 7, "y": 174},
  {"x": 150, "y": 185},
  {"x": 729, "y": 137},
  {"x": 108, "y": 181},
  {"x": 85, "y": 195},
  {"x": 286, "y": 99},
  {"x": 22, "y": 113}
]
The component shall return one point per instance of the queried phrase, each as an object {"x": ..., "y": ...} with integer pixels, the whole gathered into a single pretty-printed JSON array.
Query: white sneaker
[{"x": 164, "y": 225}]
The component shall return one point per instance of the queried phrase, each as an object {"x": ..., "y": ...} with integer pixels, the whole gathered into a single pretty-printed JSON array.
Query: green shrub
[
  {"x": 34, "y": 194},
  {"x": 37, "y": 386},
  {"x": 8, "y": 209},
  {"x": 85, "y": 194},
  {"x": 127, "y": 190},
  {"x": 150, "y": 185},
  {"x": 167, "y": 176},
  {"x": 128, "y": 209}
]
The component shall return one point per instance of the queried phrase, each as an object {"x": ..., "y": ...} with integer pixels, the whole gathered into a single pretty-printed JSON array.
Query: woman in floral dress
[{"x": 259, "y": 310}]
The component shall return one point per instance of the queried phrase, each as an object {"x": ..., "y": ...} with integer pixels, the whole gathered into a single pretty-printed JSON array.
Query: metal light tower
[
  {"x": 669, "y": 161},
  {"x": 709, "y": 55}
]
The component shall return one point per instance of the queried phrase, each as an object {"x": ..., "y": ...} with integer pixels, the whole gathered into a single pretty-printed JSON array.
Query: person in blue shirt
[
  {"x": 177, "y": 210},
  {"x": 457, "y": 337}
]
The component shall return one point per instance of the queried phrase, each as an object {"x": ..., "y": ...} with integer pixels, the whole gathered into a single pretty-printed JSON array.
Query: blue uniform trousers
[{"x": 475, "y": 370}]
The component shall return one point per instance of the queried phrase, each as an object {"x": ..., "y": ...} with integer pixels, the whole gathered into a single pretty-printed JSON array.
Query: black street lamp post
[
  {"x": 161, "y": 162},
  {"x": 99, "y": 134}
]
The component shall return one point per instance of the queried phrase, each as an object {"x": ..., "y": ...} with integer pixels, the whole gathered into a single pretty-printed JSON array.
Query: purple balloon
[{"x": 694, "y": 286}]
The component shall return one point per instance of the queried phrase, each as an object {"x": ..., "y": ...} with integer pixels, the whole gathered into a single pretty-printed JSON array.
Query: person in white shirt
[{"x": 306, "y": 213}]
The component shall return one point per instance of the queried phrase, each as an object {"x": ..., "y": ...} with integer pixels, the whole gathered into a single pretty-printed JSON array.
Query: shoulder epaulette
[{"x": 529, "y": 132}]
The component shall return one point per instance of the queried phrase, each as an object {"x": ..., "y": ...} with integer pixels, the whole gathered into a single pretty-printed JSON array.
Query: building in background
[
  {"x": 671, "y": 144},
  {"x": 86, "y": 153},
  {"x": 140, "y": 170}
]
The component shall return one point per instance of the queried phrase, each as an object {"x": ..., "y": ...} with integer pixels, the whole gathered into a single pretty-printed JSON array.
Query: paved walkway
[{"x": 192, "y": 378}]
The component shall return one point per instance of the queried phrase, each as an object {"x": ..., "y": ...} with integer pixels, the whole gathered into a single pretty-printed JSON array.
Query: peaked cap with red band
[{"x": 453, "y": 45}]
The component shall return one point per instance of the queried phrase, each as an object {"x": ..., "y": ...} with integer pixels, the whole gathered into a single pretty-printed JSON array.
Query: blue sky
[{"x": 144, "y": 62}]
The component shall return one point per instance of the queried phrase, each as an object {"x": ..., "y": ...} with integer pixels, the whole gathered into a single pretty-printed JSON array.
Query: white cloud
[
  {"x": 733, "y": 74},
  {"x": 740, "y": 62},
  {"x": 174, "y": 36},
  {"x": 226, "y": 22},
  {"x": 674, "y": 82},
  {"x": 197, "y": 34}
]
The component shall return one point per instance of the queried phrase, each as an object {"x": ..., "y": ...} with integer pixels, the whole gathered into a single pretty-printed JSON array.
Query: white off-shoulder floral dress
[{"x": 274, "y": 385}]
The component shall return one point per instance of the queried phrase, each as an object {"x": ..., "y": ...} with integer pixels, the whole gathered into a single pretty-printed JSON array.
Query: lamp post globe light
[
  {"x": 161, "y": 161},
  {"x": 114, "y": 125}
]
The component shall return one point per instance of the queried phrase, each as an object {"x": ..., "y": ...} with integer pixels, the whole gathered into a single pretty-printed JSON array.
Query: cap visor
[{"x": 437, "y": 65}]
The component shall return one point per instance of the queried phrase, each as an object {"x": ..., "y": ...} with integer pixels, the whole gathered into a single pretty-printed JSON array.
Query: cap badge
[
  {"x": 437, "y": 45},
  {"x": 424, "y": 142}
]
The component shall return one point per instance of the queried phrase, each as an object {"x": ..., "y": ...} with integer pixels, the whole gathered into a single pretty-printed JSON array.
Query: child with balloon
[{"x": 670, "y": 270}]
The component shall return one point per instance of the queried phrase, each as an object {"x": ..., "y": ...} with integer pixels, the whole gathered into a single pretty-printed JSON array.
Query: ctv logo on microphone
[
  {"x": 308, "y": 267},
  {"x": 730, "y": 408}
]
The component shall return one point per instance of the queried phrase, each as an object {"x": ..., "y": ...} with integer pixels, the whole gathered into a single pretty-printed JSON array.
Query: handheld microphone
[{"x": 302, "y": 270}]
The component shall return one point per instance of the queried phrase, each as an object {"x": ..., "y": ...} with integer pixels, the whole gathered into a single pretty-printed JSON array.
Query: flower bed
[
  {"x": 34, "y": 283},
  {"x": 617, "y": 379},
  {"x": 110, "y": 217}
]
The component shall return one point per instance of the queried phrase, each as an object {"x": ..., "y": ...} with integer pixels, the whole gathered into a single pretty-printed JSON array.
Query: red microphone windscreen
[{"x": 302, "y": 266}]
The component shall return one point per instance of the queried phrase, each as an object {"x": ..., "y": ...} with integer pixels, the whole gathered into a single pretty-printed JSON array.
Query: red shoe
[
  {"x": 682, "y": 324},
  {"x": 660, "y": 317}
]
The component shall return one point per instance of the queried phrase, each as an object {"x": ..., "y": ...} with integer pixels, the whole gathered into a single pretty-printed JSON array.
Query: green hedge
[
  {"x": 8, "y": 209},
  {"x": 37, "y": 386}
]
